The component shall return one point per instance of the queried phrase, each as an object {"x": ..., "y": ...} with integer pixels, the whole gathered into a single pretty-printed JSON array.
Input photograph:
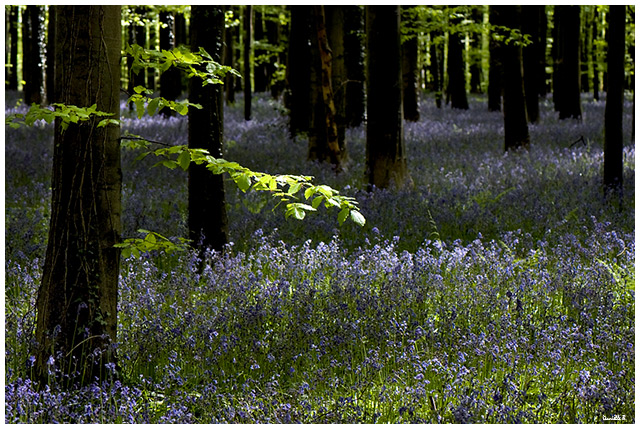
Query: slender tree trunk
[
  {"x": 248, "y": 42},
  {"x": 12, "y": 71},
  {"x": 386, "y": 164},
  {"x": 298, "y": 70},
  {"x": 613, "y": 114},
  {"x": 229, "y": 60},
  {"x": 273, "y": 33},
  {"x": 594, "y": 56},
  {"x": 77, "y": 300},
  {"x": 170, "y": 80},
  {"x": 569, "y": 62},
  {"x": 335, "y": 20},
  {"x": 354, "y": 64},
  {"x": 495, "y": 64},
  {"x": 457, "y": 87},
  {"x": 436, "y": 67},
  {"x": 137, "y": 35},
  {"x": 475, "y": 48},
  {"x": 533, "y": 57},
  {"x": 410, "y": 72},
  {"x": 260, "y": 81},
  {"x": 50, "y": 81},
  {"x": 516, "y": 131},
  {"x": 32, "y": 54},
  {"x": 208, "y": 222}
]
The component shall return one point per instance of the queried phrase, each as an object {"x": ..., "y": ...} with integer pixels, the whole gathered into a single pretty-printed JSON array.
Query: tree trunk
[
  {"x": 613, "y": 113},
  {"x": 260, "y": 81},
  {"x": 137, "y": 35},
  {"x": 386, "y": 164},
  {"x": 229, "y": 60},
  {"x": 410, "y": 71},
  {"x": 533, "y": 58},
  {"x": 475, "y": 54},
  {"x": 50, "y": 81},
  {"x": 77, "y": 300},
  {"x": 334, "y": 18},
  {"x": 208, "y": 223},
  {"x": 354, "y": 64},
  {"x": 516, "y": 131},
  {"x": 457, "y": 87},
  {"x": 494, "y": 90},
  {"x": 298, "y": 70},
  {"x": 569, "y": 62},
  {"x": 12, "y": 71},
  {"x": 436, "y": 66},
  {"x": 248, "y": 42},
  {"x": 594, "y": 55},
  {"x": 273, "y": 33},
  {"x": 33, "y": 54},
  {"x": 171, "y": 79}
]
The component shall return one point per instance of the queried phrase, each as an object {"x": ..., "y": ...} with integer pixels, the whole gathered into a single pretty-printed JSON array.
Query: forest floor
[{"x": 499, "y": 288}]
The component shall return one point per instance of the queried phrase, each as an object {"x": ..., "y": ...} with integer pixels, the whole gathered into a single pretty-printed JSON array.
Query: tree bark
[
  {"x": 50, "y": 81},
  {"x": 33, "y": 54},
  {"x": 335, "y": 24},
  {"x": 613, "y": 113},
  {"x": 77, "y": 300},
  {"x": 386, "y": 164},
  {"x": 516, "y": 131},
  {"x": 260, "y": 81},
  {"x": 171, "y": 79},
  {"x": 298, "y": 70},
  {"x": 533, "y": 58},
  {"x": 494, "y": 91},
  {"x": 436, "y": 66},
  {"x": 12, "y": 72},
  {"x": 457, "y": 87},
  {"x": 354, "y": 64},
  {"x": 207, "y": 219},
  {"x": 410, "y": 71},
  {"x": 248, "y": 42},
  {"x": 569, "y": 62}
]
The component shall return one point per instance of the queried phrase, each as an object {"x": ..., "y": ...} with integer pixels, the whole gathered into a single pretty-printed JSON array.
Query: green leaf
[
  {"x": 243, "y": 181},
  {"x": 294, "y": 188},
  {"x": 317, "y": 201},
  {"x": 184, "y": 159},
  {"x": 152, "y": 107},
  {"x": 342, "y": 216},
  {"x": 357, "y": 217},
  {"x": 310, "y": 191}
]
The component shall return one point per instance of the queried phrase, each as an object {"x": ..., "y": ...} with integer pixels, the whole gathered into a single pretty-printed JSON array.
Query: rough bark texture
[
  {"x": 613, "y": 113},
  {"x": 170, "y": 80},
  {"x": 495, "y": 64},
  {"x": 298, "y": 70},
  {"x": 33, "y": 54},
  {"x": 207, "y": 220},
  {"x": 248, "y": 42},
  {"x": 386, "y": 164},
  {"x": 354, "y": 64},
  {"x": 335, "y": 23},
  {"x": 77, "y": 301},
  {"x": 568, "y": 97},
  {"x": 516, "y": 131}
]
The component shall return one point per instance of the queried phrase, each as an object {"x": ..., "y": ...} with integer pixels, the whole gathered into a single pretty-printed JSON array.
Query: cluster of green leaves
[
  {"x": 199, "y": 64},
  {"x": 141, "y": 97},
  {"x": 151, "y": 241},
  {"x": 66, "y": 113},
  {"x": 290, "y": 189}
]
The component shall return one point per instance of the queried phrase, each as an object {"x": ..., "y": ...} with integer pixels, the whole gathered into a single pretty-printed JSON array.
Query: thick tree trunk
[
  {"x": 248, "y": 43},
  {"x": 50, "y": 81},
  {"x": 386, "y": 164},
  {"x": 33, "y": 54},
  {"x": 457, "y": 88},
  {"x": 354, "y": 64},
  {"x": 170, "y": 80},
  {"x": 436, "y": 67},
  {"x": 298, "y": 70},
  {"x": 335, "y": 24},
  {"x": 613, "y": 113},
  {"x": 12, "y": 71},
  {"x": 533, "y": 58},
  {"x": 208, "y": 223},
  {"x": 494, "y": 91},
  {"x": 594, "y": 56},
  {"x": 410, "y": 73},
  {"x": 77, "y": 301},
  {"x": 260, "y": 81},
  {"x": 516, "y": 131},
  {"x": 569, "y": 62}
]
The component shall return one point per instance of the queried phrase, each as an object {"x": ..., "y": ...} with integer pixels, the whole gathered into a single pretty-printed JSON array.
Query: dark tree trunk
[
  {"x": 273, "y": 31},
  {"x": 569, "y": 62},
  {"x": 229, "y": 60},
  {"x": 354, "y": 64},
  {"x": 613, "y": 113},
  {"x": 151, "y": 32},
  {"x": 410, "y": 71},
  {"x": 298, "y": 70},
  {"x": 386, "y": 164},
  {"x": 436, "y": 66},
  {"x": 77, "y": 300},
  {"x": 494, "y": 90},
  {"x": 248, "y": 42},
  {"x": 516, "y": 131},
  {"x": 457, "y": 88},
  {"x": 533, "y": 58},
  {"x": 475, "y": 66},
  {"x": 33, "y": 54},
  {"x": 171, "y": 79},
  {"x": 50, "y": 81},
  {"x": 12, "y": 71},
  {"x": 334, "y": 18},
  {"x": 594, "y": 55},
  {"x": 137, "y": 35},
  {"x": 260, "y": 81},
  {"x": 208, "y": 223}
]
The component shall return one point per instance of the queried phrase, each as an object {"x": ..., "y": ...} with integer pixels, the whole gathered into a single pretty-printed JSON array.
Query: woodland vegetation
[{"x": 319, "y": 214}]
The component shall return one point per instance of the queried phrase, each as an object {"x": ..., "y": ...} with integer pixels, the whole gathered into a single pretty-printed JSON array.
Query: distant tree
[
  {"x": 475, "y": 52},
  {"x": 230, "y": 34},
  {"x": 594, "y": 54},
  {"x": 568, "y": 62},
  {"x": 260, "y": 63},
  {"x": 354, "y": 64},
  {"x": 171, "y": 79},
  {"x": 494, "y": 91},
  {"x": 298, "y": 69},
  {"x": 436, "y": 55},
  {"x": 207, "y": 219},
  {"x": 613, "y": 114},
  {"x": 335, "y": 23},
  {"x": 248, "y": 43},
  {"x": 50, "y": 81},
  {"x": 386, "y": 163},
  {"x": 12, "y": 48},
  {"x": 137, "y": 36},
  {"x": 409, "y": 48},
  {"x": 516, "y": 131},
  {"x": 457, "y": 87},
  {"x": 533, "y": 57},
  {"x": 77, "y": 299},
  {"x": 33, "y": 54}
]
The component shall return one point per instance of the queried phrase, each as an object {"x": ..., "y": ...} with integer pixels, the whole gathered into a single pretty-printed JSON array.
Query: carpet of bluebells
[{"x": 499, "y": 288}]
